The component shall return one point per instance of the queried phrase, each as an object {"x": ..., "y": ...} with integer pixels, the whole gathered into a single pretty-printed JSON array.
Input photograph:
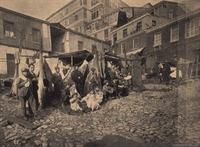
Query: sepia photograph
[{"x": 99, "y": 73}]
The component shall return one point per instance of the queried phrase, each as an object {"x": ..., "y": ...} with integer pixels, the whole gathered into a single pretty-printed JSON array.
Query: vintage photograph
[{"x": 99, "y": 73}]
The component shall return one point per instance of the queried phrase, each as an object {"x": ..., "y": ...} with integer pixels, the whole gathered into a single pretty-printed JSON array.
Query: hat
[
  {"x": 93, "y": 69},
  {"x": 25, "y": 70}
]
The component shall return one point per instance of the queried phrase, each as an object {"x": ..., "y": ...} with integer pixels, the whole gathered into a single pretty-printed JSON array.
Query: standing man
[
  {"x": 32, "y": 76},
  {"x": 166, "y": 72},
  {"x": 77, "y": 77},
  {"x": 91, "y": 81},
  {"x": 25, "y": 93},
  {"x": 57, "y": 81}
]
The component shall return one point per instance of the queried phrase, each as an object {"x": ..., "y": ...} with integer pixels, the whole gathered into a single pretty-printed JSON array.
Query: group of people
[
  {"x": 162, "y": 72},
  {"x": 90, "y": 90}
]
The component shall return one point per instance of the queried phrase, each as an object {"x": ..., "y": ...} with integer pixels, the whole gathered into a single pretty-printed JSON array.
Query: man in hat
[
  {"x": 77, "y": 77},
  {"x": 91, "y": 81},
  {"x": 57, "y": 81},
  {"x": 25, "y": 93}
]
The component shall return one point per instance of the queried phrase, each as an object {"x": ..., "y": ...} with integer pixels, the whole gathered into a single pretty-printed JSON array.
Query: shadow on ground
[{"x": 118, "y": 141}]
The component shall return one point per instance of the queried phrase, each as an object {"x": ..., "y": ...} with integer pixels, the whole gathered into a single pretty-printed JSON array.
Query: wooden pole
[
  {"x": 124, "y": 49},
  {"x": 97, "y": 65},
  {"x": 17, "y": 55},
  {"x": 41, "y": 78},
  {"x": 72, "y": 61}
]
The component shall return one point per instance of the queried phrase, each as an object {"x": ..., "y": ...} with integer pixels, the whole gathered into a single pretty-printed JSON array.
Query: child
[{"x": 74, "y": 102}]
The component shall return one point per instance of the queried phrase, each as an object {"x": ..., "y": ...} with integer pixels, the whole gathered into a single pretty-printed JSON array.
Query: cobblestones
[{"x": 150, "y": 116}]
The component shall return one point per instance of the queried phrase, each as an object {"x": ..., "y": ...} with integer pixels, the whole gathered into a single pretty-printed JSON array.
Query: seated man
[{"x": 108, "y": 91}]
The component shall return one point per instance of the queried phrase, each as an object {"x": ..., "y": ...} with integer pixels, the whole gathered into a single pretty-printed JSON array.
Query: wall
[
  {"x": 184, "y": 46},
  {"x": 87, "y": 43},
  {"x": 66, "y": 11},
  {"x": 131, "y": 26},
  {"x": 129, "y": 42},
  {"x": 11, "y": 50},
  {"x": 20, "y": 23}
]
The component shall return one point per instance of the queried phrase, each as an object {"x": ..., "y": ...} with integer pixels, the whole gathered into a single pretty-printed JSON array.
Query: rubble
[{"x": 142, "y": 117}]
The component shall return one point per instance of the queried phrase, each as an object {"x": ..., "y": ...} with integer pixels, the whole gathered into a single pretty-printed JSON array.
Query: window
[
  {"x": 157, "y": 39},
  {"x": 106, "y": 34},
  {"x": 135, "y": 43},
  {"x": 123, "y": 47},
  {"x": 174, "y": 34},
  {"x": 153, "y": 23},
  {"x": 80, "y": 45},
  {"x": 170, "y": 14},
  {"x": 192, "y": 28},
  {"x": 9, "y": 29},
  {"x": 139, "y": 26},
  {"x": 125, "y": 33},
  {"x": 95, "y": 14},
  {"x": 115, "y": 37},
  {"x": 36, "y": 35},
  {"x": 76, "y": 17},
  {"x": 94, "y": 2}
]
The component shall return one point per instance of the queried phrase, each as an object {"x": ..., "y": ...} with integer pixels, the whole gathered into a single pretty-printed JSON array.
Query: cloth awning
[
  {"x": 135, "y": 51},
  {"x": 77, "y": 56}
]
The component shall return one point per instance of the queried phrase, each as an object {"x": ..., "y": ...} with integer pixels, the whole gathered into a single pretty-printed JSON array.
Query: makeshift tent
[{"x": 75, "y": 58}]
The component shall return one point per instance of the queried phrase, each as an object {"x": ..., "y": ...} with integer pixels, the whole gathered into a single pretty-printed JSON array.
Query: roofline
[
  {"x": 80, "y": 34},
  {"x": 53, "y": 14},
  {"x": 175, "y": 20},
  {"x": 147, "y": 14},
  {"x": 23, "y": 15}
]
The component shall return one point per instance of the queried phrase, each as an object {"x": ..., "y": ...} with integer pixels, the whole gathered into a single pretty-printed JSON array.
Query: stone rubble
[{"x": 149, "y": 116}]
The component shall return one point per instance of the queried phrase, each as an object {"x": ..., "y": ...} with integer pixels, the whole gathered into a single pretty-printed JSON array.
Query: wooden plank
[{"x": 22, "y": 122}]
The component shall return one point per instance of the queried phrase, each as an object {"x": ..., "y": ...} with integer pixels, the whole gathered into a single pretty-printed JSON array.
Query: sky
[{"x": 44, "y": 8}]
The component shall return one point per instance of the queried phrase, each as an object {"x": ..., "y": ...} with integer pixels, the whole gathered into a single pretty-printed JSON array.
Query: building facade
[
  {"x": 12, "y": 26},
  {"x": 78, "y": 14},
  {"x": 177, "y": 40}
]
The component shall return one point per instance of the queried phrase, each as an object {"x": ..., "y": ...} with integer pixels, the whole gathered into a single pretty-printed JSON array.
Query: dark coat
[
  {"x": 22, "y": 90},
  {"x": 56, "y": 78},
  {"x": 77, "y": 76}
]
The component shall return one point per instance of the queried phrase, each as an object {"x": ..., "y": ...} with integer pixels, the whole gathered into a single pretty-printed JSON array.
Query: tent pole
[{"x": 72, "y": 61}]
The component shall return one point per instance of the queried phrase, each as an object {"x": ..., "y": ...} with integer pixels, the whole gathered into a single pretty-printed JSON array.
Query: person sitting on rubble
[
  {"x": 74, "y": 98},
  {"x": 93, "y": 99},
  {"x": 108, "y": 91},
  {"x": 74, "y": 102}
]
